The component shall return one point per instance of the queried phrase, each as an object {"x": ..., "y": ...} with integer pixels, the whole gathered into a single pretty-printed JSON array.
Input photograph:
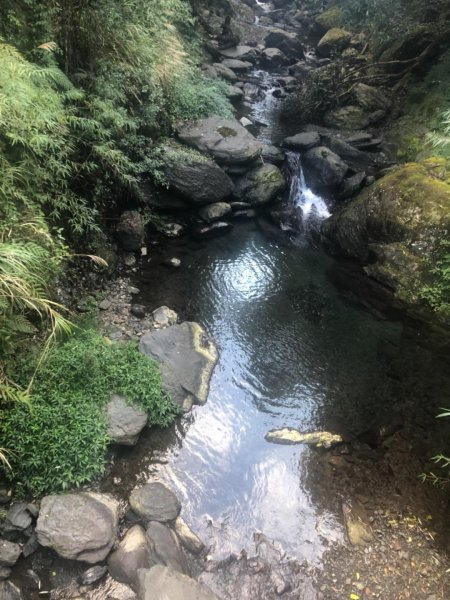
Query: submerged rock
[
  {"x": 79, "y": 526},
  {"x": 155, "y": 502},
  {"x": 125, "y": 421},
  {"x": 132, "y": 554},
  {"x": 356, "y": 522},
  {"x": 226, "y": 140},
  {"x": 186, "y": 357},
  {"x": 288, "y": 435},
  {"x": 214, "y": 212},
  {"x": 260, "y": 185},
  {"x": 161, "y": 583},
  {"x": 165, "y": 547}
]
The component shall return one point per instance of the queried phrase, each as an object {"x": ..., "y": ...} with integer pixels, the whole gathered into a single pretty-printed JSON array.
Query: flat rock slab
[
  {"x": 186, "y": 357},
  {"x": 303, "y": 141},
  {"x": 201, "y": 182},
  {"x": 79, "y": 526},
  {"x": 155, "y": 502},
  {"x": 288, "y": 435},
  {"x": 165, "y": 547},
  {"x": 162, "y": 583},
  {"x": 125, "y": 421},
  {"x": 226, "y": 140}
]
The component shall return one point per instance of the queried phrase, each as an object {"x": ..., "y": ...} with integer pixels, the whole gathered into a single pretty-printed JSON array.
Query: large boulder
[
  {"x": 226, "y": 140},
  {"x": 225, "y": 72},
  {"x": 237, "y": 65},
  {"x": 162, "y": 583},
  {"x": 371, "y": 98},
  {"x": 285, "y": 41},
  {"x": 125, "y": 421},
  {"x": 130, "y": 231},
  {"x": 194, "y": 176},
  {"x": 356, "y": 159},
  {"x": 395, "y": 227},
  {"x": 302, "y": 141},
  {"x": 347, "y": 117},
  {"x": 324, "y": 168},
  {"x": 260, "y": 185},
  {"x": 132, "y": 554},
  {"x": 165, "y": 547},
  {"x": 186, "y": 357},
  {"x": 8, "y": 591},
  {"x": 155, "y": 502},
  {"x": 335, "y": 40},
  {"x": 187, "y": 537},
  {"x": 79, "y": 526},
  {"x": 274, "y": 57}
]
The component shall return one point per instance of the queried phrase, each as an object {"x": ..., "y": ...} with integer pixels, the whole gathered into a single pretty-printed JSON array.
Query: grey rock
[
  {"x": 187, "y": 537},
  {"x": 79, "y": 526},
  {"x": 245, "y": 122},
  {"x": 30, "y": 546},
  {"x": 237, "y": 65},
  {"x": 9, "y": 553},
  {"x": 347, "y": 117},
  {"x": 212, "y": 230},
  {"x": 125, "y": 421},
  {"x": 199, "y": 181},
  {"x": 335, "y": 40},
  {"x": 285, "y": 41},
  {"x": 186, "y": 358},
  {"x": 273, "y": 155},
  {"x": 129, "y": 260},
  {"x": 234, "y": 93},
  {"x": 8, "y": 591},
  {"x": 274, "y": 57},
  {"x": 105, "y": 304},
  {"x": 93, "y": 575},
  {"x": 371, "y": 98},
  {"x": 161, "y": 583},
  {"x": 324, "y": 167},
  {"x": 130, "y": 231},
  {"x": 303, "y": 141},
  {"x": 260, "y": 185},
  {"x": 155, "y": 502},
  {"x": 214, "y": 212},
  {"x": 248, "y": 213},
  {"x": 131, "y": 555},
  {"x": 351, "y": 185},
  {"x": 165, "y": 547},
  {"x": 174, "y": 263},
  {"x": 18, "y": 518},
  {"x": 5, "y": 572},
  {"x": 240, "y": 205},
  {"x": 138, "y": 311},
  {"x": 225, "y": 72},
  {"x": 223, "y": 139},
  {"x": 245, "y": 53},
  {"x": 356, "y": 159},
  {"x": 164, "y": 317},
  {"x": 173, "y": 230}
]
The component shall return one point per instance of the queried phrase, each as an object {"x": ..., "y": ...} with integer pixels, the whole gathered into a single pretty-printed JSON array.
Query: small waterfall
[{"x": 312, "y": 207}]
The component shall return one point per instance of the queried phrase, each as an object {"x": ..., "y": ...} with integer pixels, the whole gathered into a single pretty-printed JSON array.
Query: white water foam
[{"x": 313, "y": 208}]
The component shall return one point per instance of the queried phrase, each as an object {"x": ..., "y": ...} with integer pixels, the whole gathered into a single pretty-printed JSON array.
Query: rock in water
[
  {"x": 288, "y": 435},
  {"x": 188, "y": 538},
  {"x": 162, "y": 583},
  {"x": 357, "y": 523},
  {"x": 78, "y": 526},
  {"x": 186, "y": 357},
  {"x": 303, "y": 141},
  {"x": 215, "y": 212},
  {"x": 226, "y": 140},
  {"x": 155, "y": 502},
  {"x": 125, "y": 421},
  {"x": 164, "y": 316},
  {"x": 165, "y": 547},
  {"x": 260, "y": 185},
  {"x": 132, "y": 554},
  {"x": 324, "y": 167}
]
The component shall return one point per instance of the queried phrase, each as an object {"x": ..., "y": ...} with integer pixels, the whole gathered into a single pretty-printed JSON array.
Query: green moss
[
  {"x": 332, "y": 17},
  {"x": 227, "y": 132}
]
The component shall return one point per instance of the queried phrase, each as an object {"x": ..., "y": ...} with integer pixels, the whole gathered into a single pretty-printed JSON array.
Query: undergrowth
[{"x": 59, "y": 439}]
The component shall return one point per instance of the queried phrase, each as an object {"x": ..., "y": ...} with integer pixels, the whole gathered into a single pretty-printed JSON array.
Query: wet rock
[
  {"x": 9, "y": 553},
  {"x": 249, "y": 213},
  {"x": 274, "y": 57},
  {"x": 303, "y": 141},
  {"x": 356, "y": 159},
  {"x": 132, "y": 554},
  {"x": 237, "y": 65},
  {"x": 240, "y": 205},
  {"x": 187, "y": 357},
  {"x": 125, "y": 421},
  {"x": 8, "y": 591},
  {"x": 173, "y": 230},
  {"x": 260, "y": 185},
  {"x": 160, "y": 583},
  {"x": 273, "y": 155},
  {"x": 285, "y": 41},
  {"x": 323, "y": 167},
  {"x": 234, "y": 93},
  {"x": 187, "y": 537},
  {"x": 243, "y": 53},
  {"x": 130, "y": 231},
  {"x": 215, "y": 212},
  {"x": 334, "y": 41},
  {"x": 223, "y": 139},
  {"x": 165, "y": 547},
  {"x": 351, "y": 185},
  {"x": 5, "y": 572},
  {"x": 245, "y": 122},
  {"x": 211, "y": 231},
  {"x": 164, "y": 317},
  {"x": 138, "y": 311},
  {"x": 155, "y": 502},
  {"x": 92, "y": 575},
  {"x": 79, "y": 526},
  {"x": 174, "y": 263},
  {"x": 357, "y": 525},
  {"x": 288, "y": 435}
]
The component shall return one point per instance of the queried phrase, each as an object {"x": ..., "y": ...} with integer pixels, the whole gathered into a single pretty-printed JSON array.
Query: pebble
[{"x": 173, "y": 262}]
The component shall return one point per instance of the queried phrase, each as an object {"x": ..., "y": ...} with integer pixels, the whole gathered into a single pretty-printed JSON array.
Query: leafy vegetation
[{"x": 59, "y": 440}]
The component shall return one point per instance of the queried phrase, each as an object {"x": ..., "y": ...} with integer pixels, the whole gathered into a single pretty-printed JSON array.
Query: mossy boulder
[
  {"x": 260, "y": 185},
  {"x": 335, "y": 40},
  {"x": 330, "y": 18},
  {"x": 397, "y": 226}
]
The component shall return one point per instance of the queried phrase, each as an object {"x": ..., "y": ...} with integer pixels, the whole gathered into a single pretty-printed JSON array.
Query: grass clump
[{"x": 59, "y": 440}]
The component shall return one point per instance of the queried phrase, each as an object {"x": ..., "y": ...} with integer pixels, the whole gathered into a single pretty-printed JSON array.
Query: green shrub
[{"x": 59, "y": 440}]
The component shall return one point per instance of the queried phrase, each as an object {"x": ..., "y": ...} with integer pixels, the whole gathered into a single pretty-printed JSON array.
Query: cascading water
[{"x": 312, "y": 207}]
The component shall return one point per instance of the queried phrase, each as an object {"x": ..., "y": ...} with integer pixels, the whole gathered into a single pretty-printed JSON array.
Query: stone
[
  {"x": 132, "y": 554},
  {"x": 213, "y": 230},
  {"x": 303, "y": 141},
  {"x": 214, "y": 212},
  {"x": 242, "y": 53},
  {"x": 245, "y": 122},
  {"x": 237, "y": 65},
  {"x": 370, "y": 98},
  {"x": 186, "y": 357},
  {"x": 138, "y": 311},
  {"x": 226, "y": 140},
  {"x": 174, "y": 263},
  {"x": 356, "y": 522},
  {"x": 18, "y": 518},
  {"x": 234, "y": 93},
  {"x": 80, "y": 526},
  {"x": 274, "y": 57},
  {"x": 334, "y": 41},
  {"x": 225, "y": 72},
  {"x": 164, "y": 317},
  {"x": 285, "y": 41},
  {"x": 155, "y": 502},
  {"x": 165, "y": 547},
  {"x": 9, "y": 553},
  {"x": 30, "y": 546},
  {"x": 323, "y": 167},
  {"x": 330, "y": 18},
  {"x": 260, "y": 185},
  {"x": 347, "y": 117},
  {"x": 130, "y": 231},
  {"x": 273, "y": 154},
  {"x": 5, "y": 572},
  {"x": 288, "y": 435},
  {"x": 173, "y": 230},
  {"x": 161, "y": 583},
  {"x": 125, "y": 421},
  {"x": 92, "y": 575},
  {"x": 129, "y": 260},
  {"x": 351, "y": 185},
  {"x": 8, "y": 591},
  {"x": 187, "y": 537},
  {"x": 356, "y": 159},
  {"x": 248, "y": 213}
]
